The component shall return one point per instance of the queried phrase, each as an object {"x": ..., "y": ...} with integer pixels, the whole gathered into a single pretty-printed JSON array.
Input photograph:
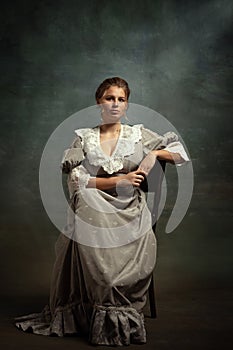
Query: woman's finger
[
  {"x": 145, "y": 173},
  {"x": 140, "y": 171}
]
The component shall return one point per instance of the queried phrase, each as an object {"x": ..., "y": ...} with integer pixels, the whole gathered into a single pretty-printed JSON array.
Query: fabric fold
[
  {"x": 66, "y": 320},
  {"x": 108, "y": 325},
  {"x": 115, "y": 325},
  {"x": 72, "y": 156}
]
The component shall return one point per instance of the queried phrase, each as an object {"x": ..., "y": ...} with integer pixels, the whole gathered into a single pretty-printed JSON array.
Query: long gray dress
[{"x": 106, "y": 255}]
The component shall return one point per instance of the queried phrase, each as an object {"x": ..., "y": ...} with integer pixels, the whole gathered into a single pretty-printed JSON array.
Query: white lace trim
[
  {"x": 177, "y": 147},
  {"x": 129, "y": 136},
  {"x": 79, "y": 177}
]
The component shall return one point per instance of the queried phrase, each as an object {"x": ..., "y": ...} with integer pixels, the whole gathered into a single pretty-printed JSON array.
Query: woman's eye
[{"x": 111, "y": 98}]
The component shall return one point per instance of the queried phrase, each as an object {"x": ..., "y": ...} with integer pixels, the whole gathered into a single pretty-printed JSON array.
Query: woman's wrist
[
  {"x": 121, "y": 180},
  {"x": 167, "y": 156},
  {"x": 155, "y": 153}
]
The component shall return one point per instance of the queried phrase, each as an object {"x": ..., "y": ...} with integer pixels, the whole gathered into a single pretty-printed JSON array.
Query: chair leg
[{"x": 152, "y": 298}]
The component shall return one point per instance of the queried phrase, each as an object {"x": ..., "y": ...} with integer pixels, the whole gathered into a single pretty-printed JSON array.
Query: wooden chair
[{"x": 154, "y": 184}]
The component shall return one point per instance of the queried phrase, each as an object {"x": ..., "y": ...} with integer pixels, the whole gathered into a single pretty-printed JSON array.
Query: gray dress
[{"x": 107, "y": 252}]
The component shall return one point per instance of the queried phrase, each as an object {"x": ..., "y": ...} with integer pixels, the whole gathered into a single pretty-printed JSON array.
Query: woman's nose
[{"x": 115, "y": 102}]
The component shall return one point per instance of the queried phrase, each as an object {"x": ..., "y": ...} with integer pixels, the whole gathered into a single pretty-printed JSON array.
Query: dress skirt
[{"x": 99, "y": 289}]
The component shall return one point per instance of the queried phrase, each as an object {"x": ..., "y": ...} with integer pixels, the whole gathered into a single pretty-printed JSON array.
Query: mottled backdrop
[{"x": 177, "y": 58}]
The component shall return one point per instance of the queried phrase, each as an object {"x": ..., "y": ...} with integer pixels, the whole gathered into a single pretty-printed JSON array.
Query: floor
[
  {"x": 201, "y": 319},
  {"x": 194, "y": 290}
]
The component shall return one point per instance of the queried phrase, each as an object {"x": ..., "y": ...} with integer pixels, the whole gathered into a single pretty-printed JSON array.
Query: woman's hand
[
  {"x": 148, "y": 162},
  {"x": 133, "y": 178}
]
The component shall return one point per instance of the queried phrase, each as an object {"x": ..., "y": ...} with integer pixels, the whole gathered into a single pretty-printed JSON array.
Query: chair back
[{"x": 153, "y": 183}]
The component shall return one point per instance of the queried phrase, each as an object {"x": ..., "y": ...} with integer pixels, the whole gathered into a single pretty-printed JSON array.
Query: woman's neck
[{"x": 110, "y": 128}]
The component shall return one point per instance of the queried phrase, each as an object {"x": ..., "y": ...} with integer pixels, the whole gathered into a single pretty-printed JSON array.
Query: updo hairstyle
[{"x": 107, "y": 83}]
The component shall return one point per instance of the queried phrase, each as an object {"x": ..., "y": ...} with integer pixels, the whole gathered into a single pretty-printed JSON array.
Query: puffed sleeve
[
  {"x": 168, "y": 142},
  {"x": 173, "y": 145},
  {"x": 151, "y": 140},
  {"x": 72, "y": 156},
  {"x": 78, "y": 178}
]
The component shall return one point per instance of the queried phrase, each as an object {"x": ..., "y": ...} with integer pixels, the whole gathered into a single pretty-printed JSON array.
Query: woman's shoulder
[
  {"x": 132, "y": 132},
  {"x": 82, "y": 132},
  {"x": 138, "y": 132},
  {"x": 133, "y": 126},
  {"x": 130, "y": 129},
  {"x": 143, "y": 129}
]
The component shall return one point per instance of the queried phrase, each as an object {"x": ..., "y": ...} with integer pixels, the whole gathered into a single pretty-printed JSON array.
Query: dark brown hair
[{"x": 107, "y": 83}]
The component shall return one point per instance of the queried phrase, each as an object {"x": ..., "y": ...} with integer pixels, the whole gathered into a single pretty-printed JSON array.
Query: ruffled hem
[
  {"x": 117, "y": 326},
  {"x": 65, "y": 321},
  {"x": 111, "y": 325}
]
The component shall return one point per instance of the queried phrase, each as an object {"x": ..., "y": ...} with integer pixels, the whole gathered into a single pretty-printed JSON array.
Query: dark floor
[
  {"x": 201, "y": 319},
  {"x": 194, "y": 290}
]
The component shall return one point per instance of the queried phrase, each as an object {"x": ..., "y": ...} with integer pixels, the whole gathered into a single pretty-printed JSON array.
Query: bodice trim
[{"x": 129, "y": 136}]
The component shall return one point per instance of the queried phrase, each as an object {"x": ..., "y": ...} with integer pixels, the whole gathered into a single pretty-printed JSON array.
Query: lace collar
[{"x": 90, "y": 137}]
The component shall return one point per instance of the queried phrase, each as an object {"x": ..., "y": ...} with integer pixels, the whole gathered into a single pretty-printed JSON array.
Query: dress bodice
[{"x": 95, "y": 158}]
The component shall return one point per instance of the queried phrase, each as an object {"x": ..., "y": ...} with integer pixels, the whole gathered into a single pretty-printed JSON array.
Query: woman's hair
[{"x": 107, "y": 83}]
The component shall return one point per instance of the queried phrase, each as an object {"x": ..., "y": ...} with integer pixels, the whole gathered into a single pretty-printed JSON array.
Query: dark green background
[{"x": 177, "y": 58}]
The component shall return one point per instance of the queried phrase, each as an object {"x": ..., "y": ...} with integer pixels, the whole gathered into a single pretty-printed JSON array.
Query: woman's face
[{"x": 114, "y": 104}]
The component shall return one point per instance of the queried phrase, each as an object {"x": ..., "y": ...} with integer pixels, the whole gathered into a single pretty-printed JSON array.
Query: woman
[{"x": 106, "y": 255}]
